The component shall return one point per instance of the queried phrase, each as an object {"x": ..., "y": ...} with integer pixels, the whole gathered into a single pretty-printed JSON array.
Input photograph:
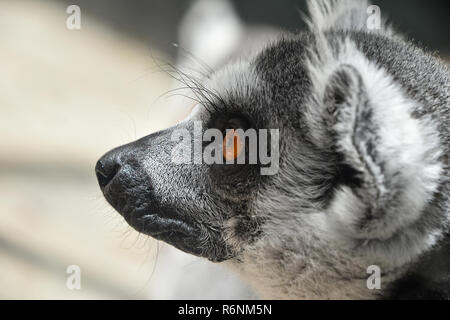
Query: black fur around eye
[
  {"x": 237, "y": 123},
  {"x": 224, "y": 122}
]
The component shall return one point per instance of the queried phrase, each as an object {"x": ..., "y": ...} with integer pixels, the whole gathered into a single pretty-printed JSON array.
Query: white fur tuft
[
  {"x": 338, "y": 14},
  {"x": 343, "y": 15}
]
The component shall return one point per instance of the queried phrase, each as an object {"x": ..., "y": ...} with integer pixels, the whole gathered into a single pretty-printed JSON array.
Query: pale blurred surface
[{"x": 66, "y": 97}]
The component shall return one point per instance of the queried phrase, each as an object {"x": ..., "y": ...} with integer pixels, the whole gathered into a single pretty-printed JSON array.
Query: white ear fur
[
  {"x": 343, "y": 15},
  {"x": 396, "y": 155},
  {"x": 339, "y": 14}
]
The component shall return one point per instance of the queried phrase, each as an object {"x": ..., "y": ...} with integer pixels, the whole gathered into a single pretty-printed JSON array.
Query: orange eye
[{"x": 232, "y": 145}]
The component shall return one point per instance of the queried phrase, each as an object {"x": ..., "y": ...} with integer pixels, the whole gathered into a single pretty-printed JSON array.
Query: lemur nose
[{"x": 106, "y": 169}]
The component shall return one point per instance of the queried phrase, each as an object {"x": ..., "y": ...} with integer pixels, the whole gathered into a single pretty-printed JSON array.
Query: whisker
[{"x": 195, "y": 58}]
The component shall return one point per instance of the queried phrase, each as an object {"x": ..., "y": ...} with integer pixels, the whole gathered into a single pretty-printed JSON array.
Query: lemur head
[{"x": 359, "y": 172}]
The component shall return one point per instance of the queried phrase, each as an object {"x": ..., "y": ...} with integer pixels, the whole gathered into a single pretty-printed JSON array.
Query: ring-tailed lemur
[{"x": 363, "y": 174}]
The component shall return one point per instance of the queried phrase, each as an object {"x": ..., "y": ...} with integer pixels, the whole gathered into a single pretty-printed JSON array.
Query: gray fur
[{"x": 363, "y": 180}]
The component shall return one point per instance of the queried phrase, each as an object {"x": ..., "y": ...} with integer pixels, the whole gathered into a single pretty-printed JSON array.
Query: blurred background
[{"x": 68, "y": 96}]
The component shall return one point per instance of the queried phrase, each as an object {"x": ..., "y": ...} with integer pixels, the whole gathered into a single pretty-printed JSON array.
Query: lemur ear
[
  {"x": 349, "y": 118},
  {"x": 393, "y": 156},
  {"x": 343, "y": 93}
]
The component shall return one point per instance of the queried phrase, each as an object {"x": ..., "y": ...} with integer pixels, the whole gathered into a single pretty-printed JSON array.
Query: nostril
[{"x": 106, "y": 171}]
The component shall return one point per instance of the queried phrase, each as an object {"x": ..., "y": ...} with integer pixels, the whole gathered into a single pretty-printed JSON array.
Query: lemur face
[
  {"x": 359, "y": 147},
  {"x": 210, "y": 209}
]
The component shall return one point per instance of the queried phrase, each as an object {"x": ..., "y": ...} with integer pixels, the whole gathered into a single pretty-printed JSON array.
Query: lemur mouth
[
  {"x": 168, "y": 226},
  {"x": 172, "y": 231},
  {"x": 150, "y": 220},
  {"x": 162, "y": 224},
  {"x": 165, "y": 226}
]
